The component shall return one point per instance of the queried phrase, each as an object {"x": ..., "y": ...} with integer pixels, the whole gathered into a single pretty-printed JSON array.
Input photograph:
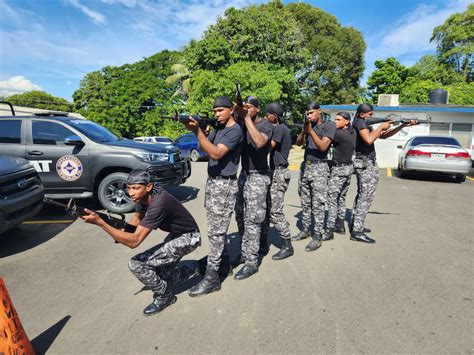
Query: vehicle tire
[
  {"x": 112, "y": 193},
  {"x": 401, "y": 173},
  {"x": 460, "y": 178},
  {"x": 194, "y": 155}
]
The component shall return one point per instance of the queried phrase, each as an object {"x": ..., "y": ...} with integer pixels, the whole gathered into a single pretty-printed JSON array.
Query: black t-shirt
[
  {"x": 363, "y": 148},
  {"x": 279, "y": 155},
  {"x": 166, "y": 213},
  {"x": 254, "y": 158},
  {"x": 344, "y": 143},
  {"x": 325, "y": 129},
  {"x": 232, "y": 138}
]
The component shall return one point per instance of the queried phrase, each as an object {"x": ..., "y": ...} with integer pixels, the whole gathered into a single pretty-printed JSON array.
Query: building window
[
  {"x": 439, "y": 129},
  {"x": 462, "y": 132}
]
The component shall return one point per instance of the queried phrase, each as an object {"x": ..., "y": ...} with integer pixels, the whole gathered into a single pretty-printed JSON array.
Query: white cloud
[
  {"x": 16, "y": 85},
  {"x": 95, "y": 16},
  {"x": 411, "y": 35}
]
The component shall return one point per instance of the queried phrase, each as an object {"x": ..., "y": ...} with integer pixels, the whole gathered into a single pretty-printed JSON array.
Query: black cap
[
  {"x": 138, "y": 176},
  {"x": 275, "y": 108},
  {"x": 222, "y": 101},
  {"x": 345, "y": 115},
  {"x": 313, "y": 106},
  {"x": 253, "y": 100}
]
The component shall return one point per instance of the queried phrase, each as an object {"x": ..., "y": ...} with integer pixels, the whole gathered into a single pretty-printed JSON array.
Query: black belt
[
  {"x": 315, "y": 162},
  {"x": 220, "y": 177}
]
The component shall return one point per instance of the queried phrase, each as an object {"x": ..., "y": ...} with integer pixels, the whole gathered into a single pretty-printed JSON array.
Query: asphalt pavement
[{"x": 411, "y": 292}]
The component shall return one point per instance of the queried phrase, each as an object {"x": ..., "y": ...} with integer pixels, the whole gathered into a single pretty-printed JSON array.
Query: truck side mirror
[{"x": 73, "y": 140}]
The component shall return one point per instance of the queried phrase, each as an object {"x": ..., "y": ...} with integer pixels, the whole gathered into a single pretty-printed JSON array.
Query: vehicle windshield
[
  {"x": 435, "y": 140},
  {"x": 94, "y": 131}
]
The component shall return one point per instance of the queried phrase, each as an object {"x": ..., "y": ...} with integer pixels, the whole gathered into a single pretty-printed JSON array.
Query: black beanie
[
  {"x": 275, "y": 109},
  {"x": 253, "y": 100},
  {"x": 313, "y": 106},
  {"x": 344, "y": 114},
  {"x": 223, "y": 101},
  {"x": 138, "y": 176},
  {"x": 364, "y": 108}
]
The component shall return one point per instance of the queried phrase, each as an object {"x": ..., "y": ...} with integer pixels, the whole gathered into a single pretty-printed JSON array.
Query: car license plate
[{"x": 437, "y": 156}]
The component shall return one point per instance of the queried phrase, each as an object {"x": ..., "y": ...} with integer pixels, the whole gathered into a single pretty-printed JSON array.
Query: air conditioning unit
[{"x": 388, "y": 100}]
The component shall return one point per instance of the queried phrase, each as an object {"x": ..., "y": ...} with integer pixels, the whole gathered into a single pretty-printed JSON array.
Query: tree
[
  {"x": 267, "y": 82},
  {"x": 455, "y": 42},
  {"x": 130, "y": 99},
  {"x": 389, "y": 77},
  {"x": 42, "y": 100},
  {"x": 265, "y": 34},
  {"x": 337, "y": 56}
]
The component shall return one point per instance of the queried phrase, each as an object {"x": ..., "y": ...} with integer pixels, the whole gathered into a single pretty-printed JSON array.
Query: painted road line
[
  {"x": 48, "y": 222},
  {"x": 294, "y": 167},
  {"x": 389, "y": 172},
  {"x": 470, "y": 178}
]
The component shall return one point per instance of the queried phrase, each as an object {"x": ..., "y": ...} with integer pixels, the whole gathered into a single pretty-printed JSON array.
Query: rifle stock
[{"x": 73, "y": 209}]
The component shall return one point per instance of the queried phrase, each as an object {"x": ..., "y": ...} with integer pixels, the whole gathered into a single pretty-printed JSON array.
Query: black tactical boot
[
  {"x": 367, "y": 230},
  {"x": 328, "y": 234},
  {"x": 361, "y": 237},
  {"x": 246, "y": 272},
  {"x": 339, "y": 227},
  {"x": 210, "y": 283},
  {"x": 301, "y": 235},
  {"x": 285, "y": 252},
  {"x": 160, "y": 303},
  {"x": 314, "y": 243}
]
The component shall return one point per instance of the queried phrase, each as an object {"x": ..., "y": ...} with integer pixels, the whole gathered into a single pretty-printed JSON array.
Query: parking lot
[{"x": 410, "y": 292}]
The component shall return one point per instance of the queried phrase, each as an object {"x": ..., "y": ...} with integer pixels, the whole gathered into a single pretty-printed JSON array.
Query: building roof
[{"x": 407, "y": 108}]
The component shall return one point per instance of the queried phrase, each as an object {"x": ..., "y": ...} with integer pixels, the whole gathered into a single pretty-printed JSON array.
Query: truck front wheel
[{"x": 112, "y": 193}]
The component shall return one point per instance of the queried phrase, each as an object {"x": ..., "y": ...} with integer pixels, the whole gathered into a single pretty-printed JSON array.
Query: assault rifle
[
  {"x": 397, "y": 119},
  {"x": 203, "y": 120},
  {"x": 74, "y": 210},
  {"x": 239, "y": 110}
]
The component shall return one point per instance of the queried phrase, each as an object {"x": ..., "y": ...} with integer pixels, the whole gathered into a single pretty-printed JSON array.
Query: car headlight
[{"x": 149, "y": 157}]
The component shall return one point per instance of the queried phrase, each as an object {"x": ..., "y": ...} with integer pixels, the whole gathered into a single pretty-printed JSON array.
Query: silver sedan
[{"x": 434, "y": 153}]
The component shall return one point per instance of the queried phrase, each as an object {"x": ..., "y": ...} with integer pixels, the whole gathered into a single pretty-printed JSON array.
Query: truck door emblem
[{"x": 69, "y": 168}]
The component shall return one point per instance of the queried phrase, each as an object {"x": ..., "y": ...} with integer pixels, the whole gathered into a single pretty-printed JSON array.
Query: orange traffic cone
[{"x": 13, "y": 339}]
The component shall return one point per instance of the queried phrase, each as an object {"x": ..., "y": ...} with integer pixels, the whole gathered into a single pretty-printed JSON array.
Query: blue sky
[{"x": 51, "y": 45}]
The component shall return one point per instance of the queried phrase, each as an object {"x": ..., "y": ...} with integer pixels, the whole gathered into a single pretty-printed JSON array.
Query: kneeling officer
[{"x": 156, "y": 208}]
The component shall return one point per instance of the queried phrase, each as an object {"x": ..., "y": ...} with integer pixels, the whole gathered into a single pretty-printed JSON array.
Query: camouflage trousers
[
  {"x": 219, "y": 202},
  {"x": 275, "y": 202},
  {"x": 367, "y": 180},
  {"x": 305, "y": 202},
  {"x": 338, "y": 186},
  {"x": 155, "y": 267},
  {"x": 313, "y": 193},
  {"x": 250, "y": 211}
]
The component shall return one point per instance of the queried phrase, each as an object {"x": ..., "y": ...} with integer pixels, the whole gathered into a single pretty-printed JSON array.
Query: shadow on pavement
[
  {"x": 27, "y": 236},
  {"x": 43, "y": 341},
  {"x": 429, "y": 176}
]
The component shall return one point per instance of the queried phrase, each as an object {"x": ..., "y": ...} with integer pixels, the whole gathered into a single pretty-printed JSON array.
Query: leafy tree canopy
[
  {"x": 324, "y": 57},
  {"x": 130, "y": 98},
  {"x": 455, "y": 42},
  {"x": 42, "y": 100}
]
